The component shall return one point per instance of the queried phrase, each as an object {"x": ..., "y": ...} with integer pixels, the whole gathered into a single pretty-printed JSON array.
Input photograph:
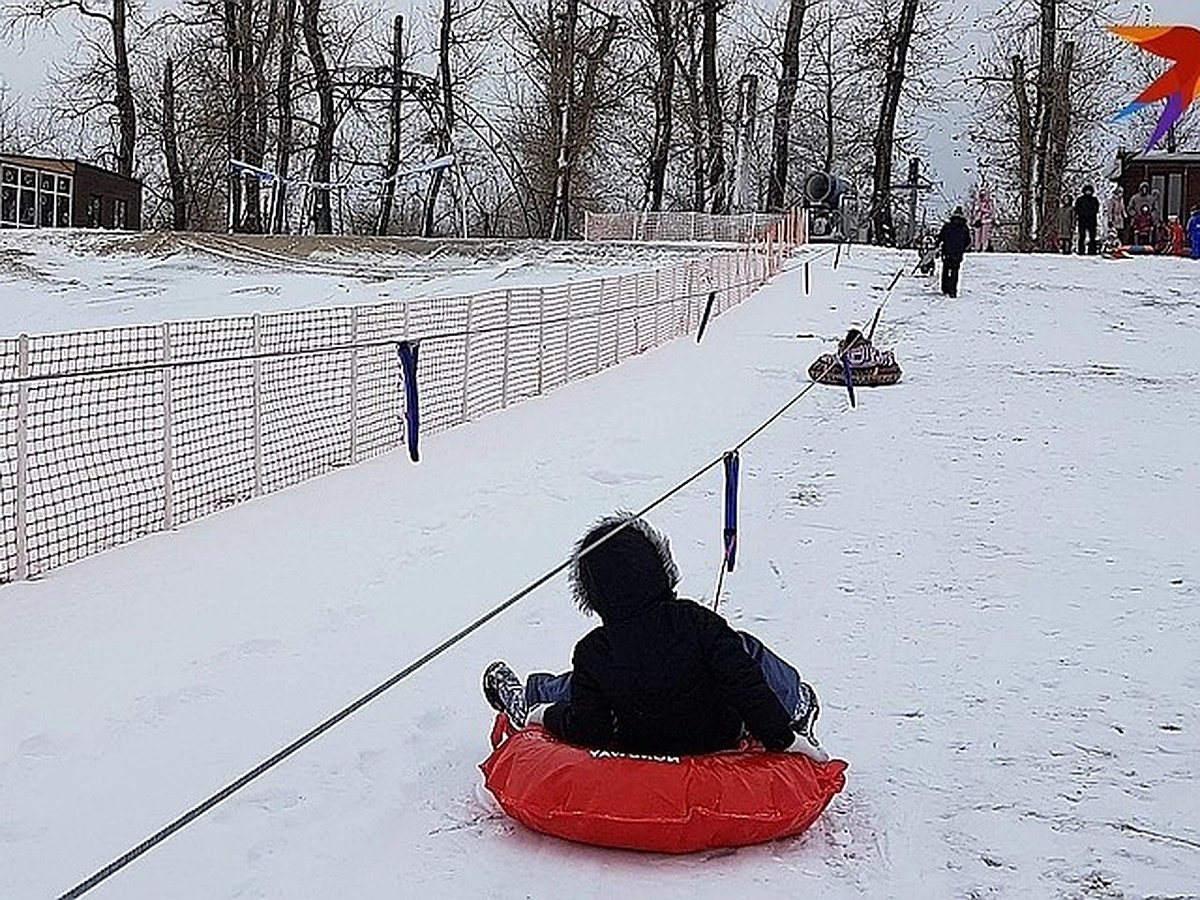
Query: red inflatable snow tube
[{"x": 664, "y": 804}]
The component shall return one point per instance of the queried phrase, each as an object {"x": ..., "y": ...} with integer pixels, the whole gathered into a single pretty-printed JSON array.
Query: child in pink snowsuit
[{"x": 983, "y": 214}]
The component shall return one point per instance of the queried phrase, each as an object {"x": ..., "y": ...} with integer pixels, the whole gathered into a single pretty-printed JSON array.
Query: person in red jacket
[{"x": 661, "y": 675}]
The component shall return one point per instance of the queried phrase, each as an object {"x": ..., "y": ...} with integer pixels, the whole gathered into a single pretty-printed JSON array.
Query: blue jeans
[{"x": 782, "y": 678}]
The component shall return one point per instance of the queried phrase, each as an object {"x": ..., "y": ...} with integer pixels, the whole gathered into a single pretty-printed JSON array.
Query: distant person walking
[
  {"x": 954, "y": 239},
  {"x": 1087, "y": 211}
]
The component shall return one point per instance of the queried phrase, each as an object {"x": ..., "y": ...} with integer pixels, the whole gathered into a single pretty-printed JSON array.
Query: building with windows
[
  {"x": 1175, "y": 176},
  {"x": 56, "y": 193}
]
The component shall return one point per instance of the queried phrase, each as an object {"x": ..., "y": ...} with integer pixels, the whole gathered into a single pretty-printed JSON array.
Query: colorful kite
[{"x": 1179, "y": 84}]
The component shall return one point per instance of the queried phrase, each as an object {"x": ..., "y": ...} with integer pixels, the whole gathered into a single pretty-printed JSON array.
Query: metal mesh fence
[
  {"x": 111, "y": 435},
  {"x": 693, "y": 226}
]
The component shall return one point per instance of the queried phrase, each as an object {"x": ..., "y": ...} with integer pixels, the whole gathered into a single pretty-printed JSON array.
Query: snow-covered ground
[
  {"x": 73, "y": 280},
  {"x": 989, "y": 571}
]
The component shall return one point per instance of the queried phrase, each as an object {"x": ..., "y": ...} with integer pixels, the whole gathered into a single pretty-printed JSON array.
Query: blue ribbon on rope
[
  {"x": 712, "y": 295},
  {"x": 412, "y": 412},
  {"x": 731, "y": 491},
  {"x": 849, "y": 378}
]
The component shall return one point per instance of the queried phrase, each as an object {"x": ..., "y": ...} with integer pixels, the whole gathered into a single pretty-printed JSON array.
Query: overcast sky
[{"x": 942, "y": 129}]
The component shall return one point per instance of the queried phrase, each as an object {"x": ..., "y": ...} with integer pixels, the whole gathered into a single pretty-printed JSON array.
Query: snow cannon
[
  {"x": 825, "y": 189},
  {"x": 831, "y": 207}
]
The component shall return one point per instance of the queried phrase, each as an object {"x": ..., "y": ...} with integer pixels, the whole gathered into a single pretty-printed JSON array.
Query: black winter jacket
[
  {"x": 955, "y": 237},
  {"x": 662, "y": 675},
  {"x": 1087, "y": 209}
]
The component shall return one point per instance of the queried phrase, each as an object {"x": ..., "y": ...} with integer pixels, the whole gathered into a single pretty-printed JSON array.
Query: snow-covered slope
[{"x": 989, "y": 572}]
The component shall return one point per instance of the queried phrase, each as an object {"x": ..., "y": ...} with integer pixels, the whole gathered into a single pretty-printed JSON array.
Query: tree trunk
[
  {"x": 254, "y": 127},
  {"x": 827, "y": 156},
  {"x": 714, "y": 150},
  {"x": 322, "y": 162},
  {"x": 447, "y": 113},
  {"x": 664, "y": 90},
  {"x": 1026, "y": 152},
  {"x": 1058, "y": 124},
  {"x": 692, "y": 84},
  {"x": 1047, "y": 202},
  {"x": 233, "y": 61},
  {"x": 743, "y": 195},
  {"x": 785, "y": 99},
  {"x": 393, "y": 157},
  {"x": 560, "y": 219},
  {"x": 126, "y": 114},
  {"x": 170, "y": 139},
  {"x": 283, "y": 106},
  {"x": 883, "y": 230}
]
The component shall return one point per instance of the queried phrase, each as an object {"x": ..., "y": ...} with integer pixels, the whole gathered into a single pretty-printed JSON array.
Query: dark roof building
[
  {"x": 36, "y": 192},
  {"x": 1176, "y": 177}
]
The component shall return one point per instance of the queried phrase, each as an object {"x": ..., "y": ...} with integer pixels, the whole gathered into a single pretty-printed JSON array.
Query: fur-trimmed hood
[{"x": 622, "y": 576}]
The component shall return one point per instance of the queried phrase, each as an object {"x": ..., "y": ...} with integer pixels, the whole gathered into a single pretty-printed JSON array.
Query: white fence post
[
  {"x": 688, "y": 270},
  {"x": 22, "y": 571},
  {"x": 257, "y": 425},
  {"x": 467, "y": 356},
  {"x": 599, "y": 327},
  {"x": 353, "y": 385},
  {"x": 637, "y": 312},
  {"x": 541, "y": 337},
  {"x": 620, "y": 299},
  {"x": 168, "y": 438},
  {"x": 507, "y": 339},
  {"x": 567, "y": 339},
  {"x": 658, "y": 338}
]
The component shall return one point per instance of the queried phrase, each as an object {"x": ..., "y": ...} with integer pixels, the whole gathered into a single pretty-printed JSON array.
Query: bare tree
[
  {"x": 285, "y": 115},
  {"x": 565, "y": 53},
  {"x": 170, "y": 144},
  {"x": 1043, "y": 111},
  {"x": 714, "y": 117},
  {"x": 322, "y": 160},
  {"x": 395, "y": 106},
  {"x": 9, "y": 118},
  {"x": 785, "y": 99},
  {"x": 1037, "y": 129},
  {"x": 898, "y": 42},
  {"x": 1025, "y": 154},
  {"x": 110, "y": 65},
  {"x": 663, "y": 16},
  {"x": 689, "y": 68},
  {"x": 445, "y": 109}
]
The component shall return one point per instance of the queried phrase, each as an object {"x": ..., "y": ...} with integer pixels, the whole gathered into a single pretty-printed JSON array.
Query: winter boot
[
  {"x": 505, "y": 693},
  {"x": 807, "y": 711}
]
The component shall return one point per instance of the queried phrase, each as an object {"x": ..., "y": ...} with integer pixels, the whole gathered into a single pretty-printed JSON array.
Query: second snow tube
[
  {"x": 827, "y": 369},
  {"x": 669, "y": 804}
]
